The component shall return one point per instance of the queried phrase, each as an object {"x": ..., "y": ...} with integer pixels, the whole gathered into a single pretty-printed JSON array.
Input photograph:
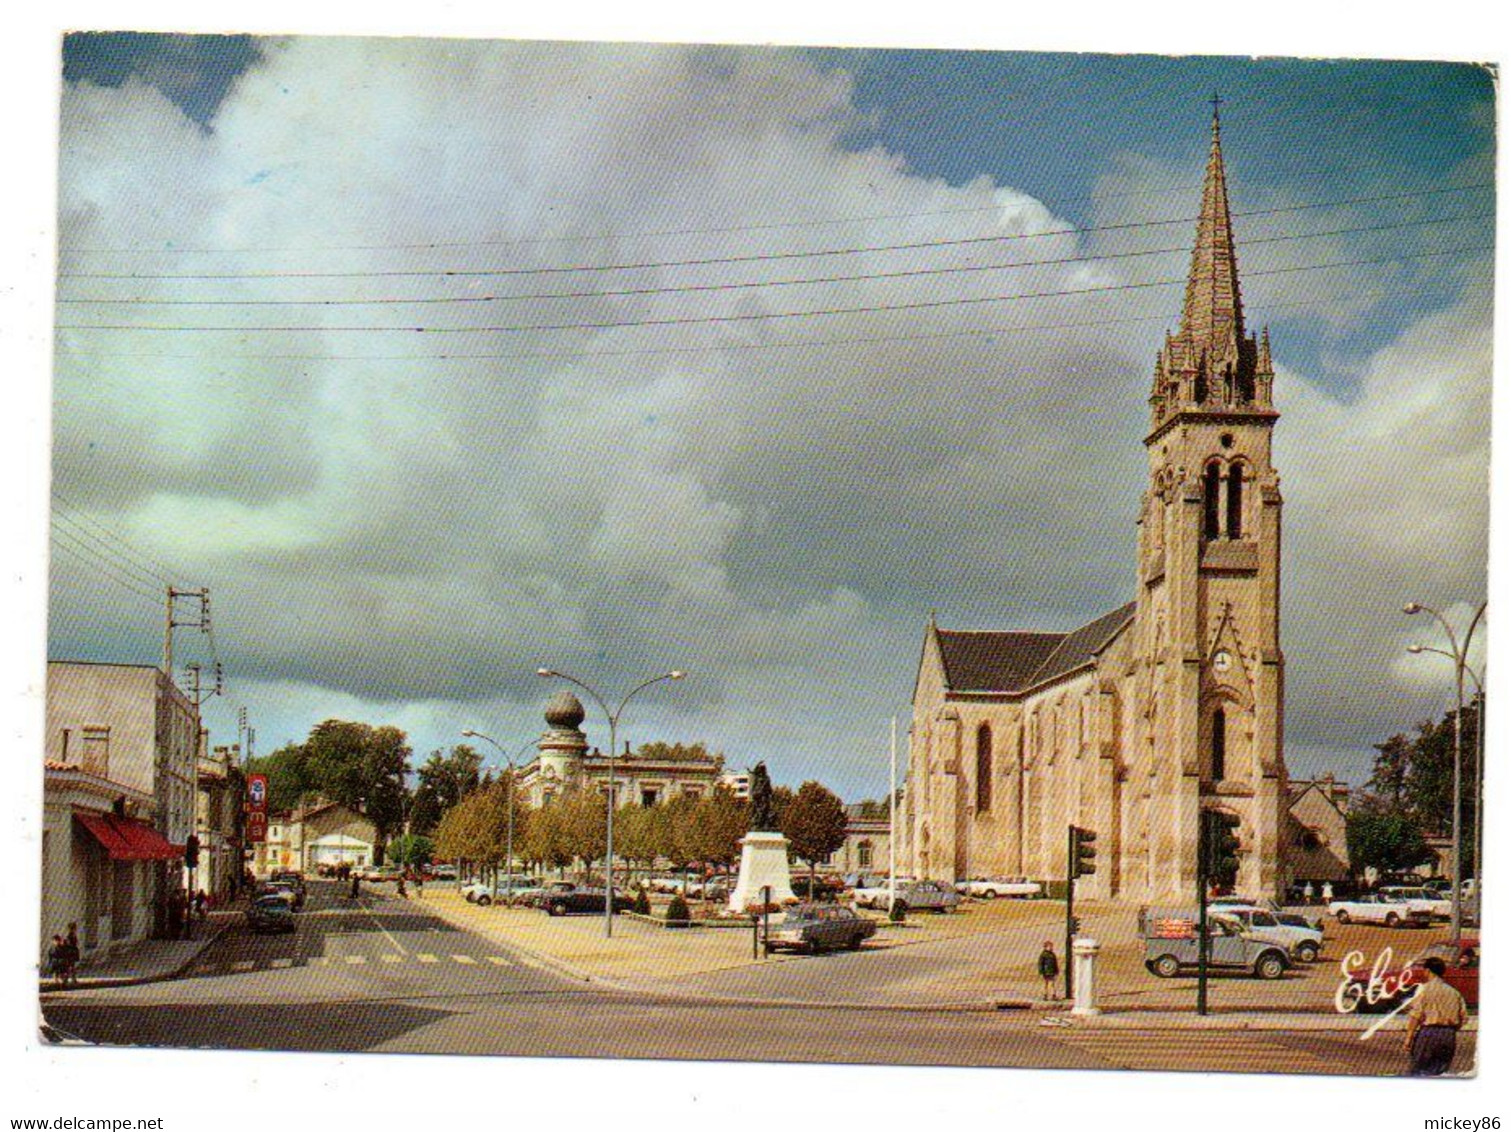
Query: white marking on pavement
[
  {"x": 499, "y": 961},
  {"x": 464, "y": 959},
  {"x": 426, "y": 957},
  {"x": 320, "y": 960},
  {"x": 281, "y": 964},
  {"x": 356, "y": 959},
  {"x": 243, "y": 965},
  {"x": 393, "y": 959},
  {"x": 399, "y": 947}
]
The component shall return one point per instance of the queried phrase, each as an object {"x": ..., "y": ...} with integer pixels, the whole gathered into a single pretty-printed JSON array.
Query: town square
[{"x": 768, "y": 554}]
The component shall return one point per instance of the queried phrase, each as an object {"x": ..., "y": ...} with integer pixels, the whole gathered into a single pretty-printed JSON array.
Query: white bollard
[{"x": 1085, "y": 976}]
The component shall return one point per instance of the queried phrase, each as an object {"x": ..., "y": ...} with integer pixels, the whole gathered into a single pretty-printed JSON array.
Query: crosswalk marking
[
  {"x": 320, "y": 960},
  {"x": 499, "y": 961},
  {"x": 426, "y": 957},
  {"x": 243, "y": 965},
  {"x": 280, "y": 964},
  {"x": 356, "y": 959},
  {"x": 463, "y": 959},
  {"x": 392, "y": 958}
]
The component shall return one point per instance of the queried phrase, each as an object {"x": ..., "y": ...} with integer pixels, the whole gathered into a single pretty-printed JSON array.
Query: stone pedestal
[
  {"x": 1084, "y": 952},
  {"x": 763, "y": 862}
]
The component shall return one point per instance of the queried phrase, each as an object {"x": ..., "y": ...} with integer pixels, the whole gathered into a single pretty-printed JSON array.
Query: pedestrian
[
  {"x": 1327, "y": 892},
  {"x": 57, "y": 961},
  {"x": 419, "y": 884},
  {"x": 1049, "y": 970},
  {"x": 356, "y": 886},
  {"x": 402, "y": 891},
  {"x": 72, "y": 952},
  {"x": 1308, "y": 893},
  {"x": 1433, "y": 1021},
  {"x": 199, "y": 904}
]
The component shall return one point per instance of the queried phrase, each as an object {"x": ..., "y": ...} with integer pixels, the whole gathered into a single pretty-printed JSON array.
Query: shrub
[
  {"x": 642, "y": 903},
  {"x": 676, "y": 911},
  {"x": 898, "y": 912}
]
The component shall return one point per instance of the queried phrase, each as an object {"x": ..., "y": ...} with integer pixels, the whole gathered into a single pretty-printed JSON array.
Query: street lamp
[
  {"x": 1459, "y": 656},
  {"x": 608, "y": 856},
  {"x": 1479, "y": 757},
  {"x": 509, "y": 837}
]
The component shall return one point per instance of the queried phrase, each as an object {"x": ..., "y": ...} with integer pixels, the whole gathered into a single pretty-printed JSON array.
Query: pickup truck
[{"x": 1171, "y": 947}]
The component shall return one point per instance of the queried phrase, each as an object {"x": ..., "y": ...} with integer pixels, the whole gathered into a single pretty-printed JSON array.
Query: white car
[
  {"x": 878, "y": 893},
  {"x": 1437, "y": 904},
  {"x": 1260, "y": 924},
  {"x": 1377, "y": 908},
  {"x": 990, "y": 888}
]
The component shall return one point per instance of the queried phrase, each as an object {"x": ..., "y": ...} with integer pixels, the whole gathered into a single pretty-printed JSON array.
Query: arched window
[
  {"x": 1211, "y": 482},
  {"x": 1200, "y": 390},
  {"x": 983, "y": 768},
  {"x": 1219, "y": 745},
  {"x": 1235, "y": 501}
]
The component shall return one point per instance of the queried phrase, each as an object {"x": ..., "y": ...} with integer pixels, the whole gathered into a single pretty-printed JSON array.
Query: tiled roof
[{"x": 1015, "y": 661}]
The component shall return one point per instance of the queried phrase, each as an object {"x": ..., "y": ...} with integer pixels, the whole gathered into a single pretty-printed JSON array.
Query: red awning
[{"x": 127, "y": 840}]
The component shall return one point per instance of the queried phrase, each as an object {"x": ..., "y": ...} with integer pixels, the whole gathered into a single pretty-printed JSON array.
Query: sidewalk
[{"x": 149, "y": 961}]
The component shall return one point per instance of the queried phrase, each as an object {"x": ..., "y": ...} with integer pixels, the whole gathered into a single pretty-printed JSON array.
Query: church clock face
[{"x": 1222, "y": 661}]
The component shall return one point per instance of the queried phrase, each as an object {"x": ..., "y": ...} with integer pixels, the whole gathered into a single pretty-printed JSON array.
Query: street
[{"x": 388, "y": 975}]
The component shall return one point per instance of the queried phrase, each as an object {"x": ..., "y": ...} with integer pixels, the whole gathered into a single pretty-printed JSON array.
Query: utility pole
[{"x": 171, "y": 622}]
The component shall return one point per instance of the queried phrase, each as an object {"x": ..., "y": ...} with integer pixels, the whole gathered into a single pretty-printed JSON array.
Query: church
[{"x": 1132, "y": 724}]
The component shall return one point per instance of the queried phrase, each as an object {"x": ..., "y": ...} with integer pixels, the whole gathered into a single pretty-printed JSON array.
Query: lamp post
[
  {"x": 1459, "y": 654},
  {"x": 613, "y": 716},
  {"x": 509, "y": 835},
  {"x": 1479, "y": 755}
]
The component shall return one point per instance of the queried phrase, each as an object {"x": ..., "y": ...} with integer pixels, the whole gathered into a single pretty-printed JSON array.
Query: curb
[{"x": 46, "y": 989}]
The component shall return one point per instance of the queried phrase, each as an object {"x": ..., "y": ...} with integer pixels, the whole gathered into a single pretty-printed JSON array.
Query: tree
[
  {"x": 363, "y": 767},
  {"x": 814, "y": 824},
  {"x": 443, "y": 781},
  {"x": 675, "y": 752},
  {"x": 1385, "y": 839},
  {"x": 411, "y": 849},
  {"x": 290, "y": 781},
  {"x": 718, "y": 823}
]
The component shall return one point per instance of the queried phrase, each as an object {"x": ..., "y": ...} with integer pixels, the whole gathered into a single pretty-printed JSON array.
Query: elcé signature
[{"x": 1380, "y": 986}]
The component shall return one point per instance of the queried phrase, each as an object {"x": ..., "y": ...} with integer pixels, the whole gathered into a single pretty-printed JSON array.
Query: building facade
[
  {"x": 119, "y": 799},
  {"x": 565, "y": 763},
  {"x": 1131, "y": 724},
  {"x": 322, "y": 834},
  {"x": 1316, "y": 841},
  {"x": 217, "y": 818}
]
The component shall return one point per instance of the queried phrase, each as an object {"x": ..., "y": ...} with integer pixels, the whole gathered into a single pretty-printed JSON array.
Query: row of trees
[
  {"x": 682, "y": 832},
  {"x": 1410, "y": 796}
]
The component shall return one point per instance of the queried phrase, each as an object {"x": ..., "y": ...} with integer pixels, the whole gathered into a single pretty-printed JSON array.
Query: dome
[{"x": 564, "y": 711}]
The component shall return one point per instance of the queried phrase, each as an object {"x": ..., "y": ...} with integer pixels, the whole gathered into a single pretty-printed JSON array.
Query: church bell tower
[{"x": 1209, "y": 557}]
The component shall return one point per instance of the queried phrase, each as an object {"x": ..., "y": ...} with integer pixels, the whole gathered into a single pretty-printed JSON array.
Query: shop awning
[{"x": 127, "y": 840}]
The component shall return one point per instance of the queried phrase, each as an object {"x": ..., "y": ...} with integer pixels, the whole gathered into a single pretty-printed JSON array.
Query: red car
[{"x": 1463, "y": 975}]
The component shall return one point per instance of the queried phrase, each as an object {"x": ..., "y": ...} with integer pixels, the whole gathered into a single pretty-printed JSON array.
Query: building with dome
[
  {"x": 566, "y": 762},
  {"x": 1133, "y": 723}
]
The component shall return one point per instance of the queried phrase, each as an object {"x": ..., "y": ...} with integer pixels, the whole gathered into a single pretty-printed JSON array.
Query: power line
[
  {"x": 750, "y": 316},
  {"x": 81, "y": 554},
  {"x": 758, "y": 284},
  {"x": 762, "y": 257},
  {"x": 126, "y": 564},
  {"x": 560, "y": 239},
  {"x": 794, "y": 344},
  {"x": 162, "y": 573}
]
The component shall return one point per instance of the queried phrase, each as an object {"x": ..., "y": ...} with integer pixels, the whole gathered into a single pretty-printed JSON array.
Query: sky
[{"x": 400, "y": 525}]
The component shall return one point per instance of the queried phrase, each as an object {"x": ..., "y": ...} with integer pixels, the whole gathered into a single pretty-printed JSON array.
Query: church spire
[{"x": 1212, "y": 319}]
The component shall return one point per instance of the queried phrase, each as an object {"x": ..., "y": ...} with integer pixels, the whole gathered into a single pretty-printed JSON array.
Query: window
[
  {"x": 1211, "y": 485},
  {"x": 1219, "y": 745},
  {"x": 649, "y": 797},
  {"x": 863, "y": 854},
  {"x": 95, "y": 755},
  {"x": 983, "y": 768},
  {"x": 1235, "y": 501}
]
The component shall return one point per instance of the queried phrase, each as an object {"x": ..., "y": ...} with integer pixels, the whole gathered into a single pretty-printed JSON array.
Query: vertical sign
[{"x": 257, "y": 807}]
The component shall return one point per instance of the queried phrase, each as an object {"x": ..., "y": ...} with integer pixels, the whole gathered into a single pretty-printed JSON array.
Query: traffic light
[
  {"x": 191, "y": 852},
  {"x": 1083, "y": 854},
  {"x": 1219, "y": 843}
]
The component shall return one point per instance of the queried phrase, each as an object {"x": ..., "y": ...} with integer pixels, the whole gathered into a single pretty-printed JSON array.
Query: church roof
[
  {"x": 1007, "y": 662},
  {"x": 1212, "y": 317}
]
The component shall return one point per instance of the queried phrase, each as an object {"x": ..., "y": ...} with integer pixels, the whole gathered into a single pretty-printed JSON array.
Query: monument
[{"x": 763, "y": 853}]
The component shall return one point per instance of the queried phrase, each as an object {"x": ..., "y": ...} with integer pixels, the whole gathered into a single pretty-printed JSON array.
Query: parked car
[
  {"x": 270, "y": 913},
  {"x": 497, "y": 891},
  {"x": 875, "y": 894},
  {"x": 1377, "y": 908},
  {"x": 1300, "y": 942},
  {"x": 1439, "y": 905},
  {"x": 281, "y": 892},
  {"x": 925, "y": 895},
  {"x": 442, "y": 871},
  {"x": 863, "y": 880},
  {"x": 1463, "y": 974},
  {"x": 1171, "y": 946},
  {"x": 990, "y": 888},
  {"x": 295, "y": 881},
  {"x": 819, "y": 927},
  {"x": 579, "y": 900},
  {"x": 815, "y": 887},
  {"x": 383, "y": 874}
]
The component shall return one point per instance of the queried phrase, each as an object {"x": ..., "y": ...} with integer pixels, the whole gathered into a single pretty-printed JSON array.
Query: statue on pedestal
[{"x": 763, "y": 854}]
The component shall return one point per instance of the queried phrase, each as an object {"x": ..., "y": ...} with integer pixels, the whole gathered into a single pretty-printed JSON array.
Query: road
[{"x": 387, "y": 975}]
